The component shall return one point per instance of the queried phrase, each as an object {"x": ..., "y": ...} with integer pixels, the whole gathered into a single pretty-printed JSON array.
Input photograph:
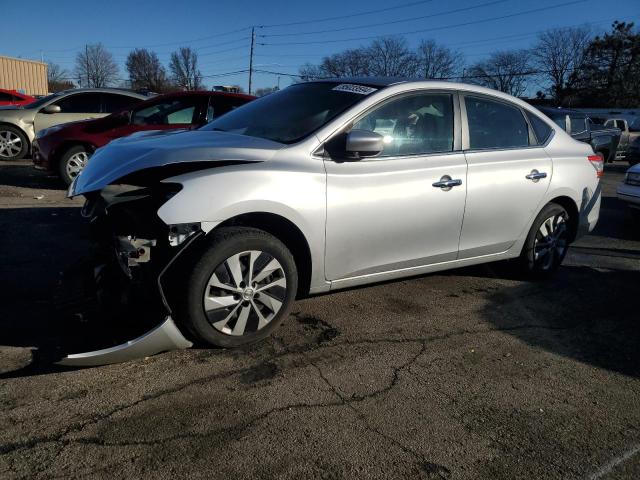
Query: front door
[
  {"x": 165, "y": 114},
  {"x": 507, "y": 179},
  {"x": 385, "y": 213},
  {"x": 74, "y": 107}
]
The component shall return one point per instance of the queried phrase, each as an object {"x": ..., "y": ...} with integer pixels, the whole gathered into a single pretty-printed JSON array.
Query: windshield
[
  {"x": 291, "y": 114},
  {"x": 634, "y": 126},
  {"x": 41, "y": 101}
]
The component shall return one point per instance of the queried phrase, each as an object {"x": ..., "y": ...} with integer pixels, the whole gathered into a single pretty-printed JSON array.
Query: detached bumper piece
[{"x": 163, "y": 338}]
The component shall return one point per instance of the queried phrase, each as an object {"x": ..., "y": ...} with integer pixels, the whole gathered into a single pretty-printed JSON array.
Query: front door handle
[
  {"x": 446, "y": 183},
  {"x": 535, "y": 175}
]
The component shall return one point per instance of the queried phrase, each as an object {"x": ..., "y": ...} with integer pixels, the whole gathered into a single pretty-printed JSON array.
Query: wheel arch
[
  {"x": 65, "y": 146},
  {"x": 17, "y": 127},
  {"x": 284, "y": 230},
  {"x": 572, "y": 209}
]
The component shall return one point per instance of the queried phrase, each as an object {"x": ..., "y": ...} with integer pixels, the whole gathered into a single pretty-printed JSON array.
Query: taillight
[{"x": 597, "y": 161}]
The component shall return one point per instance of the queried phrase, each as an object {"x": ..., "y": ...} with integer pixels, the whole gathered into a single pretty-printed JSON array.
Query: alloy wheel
[
  {"x": 245, "y": 293},
  {"x": 550, "y": 243},
  {"x": 10, "y": 144},
  {"x": 76, "y": 164}
]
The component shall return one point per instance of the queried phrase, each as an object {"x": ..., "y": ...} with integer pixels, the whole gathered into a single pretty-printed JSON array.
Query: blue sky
[{"x": 289, "y": 33}]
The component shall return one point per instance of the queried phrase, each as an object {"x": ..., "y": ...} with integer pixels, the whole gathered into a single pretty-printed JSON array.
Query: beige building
[{"x": 23, "y": 75}]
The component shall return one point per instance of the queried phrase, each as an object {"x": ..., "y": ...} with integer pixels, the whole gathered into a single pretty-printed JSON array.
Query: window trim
[
  {"x": 533, "y": 131},
  {"x": 457, "y": 126},
  {"x": 465, "y": 124}
]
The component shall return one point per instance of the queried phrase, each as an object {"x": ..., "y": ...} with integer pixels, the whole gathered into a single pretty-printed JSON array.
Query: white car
[
  {"x": 333, "y": 184},
  {"x": 629, "y": 189}
]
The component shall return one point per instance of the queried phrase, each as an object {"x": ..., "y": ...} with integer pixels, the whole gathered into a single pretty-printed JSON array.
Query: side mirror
[
  {"x": 364, "y": 143},
  {"x": 52, "y": 109}
]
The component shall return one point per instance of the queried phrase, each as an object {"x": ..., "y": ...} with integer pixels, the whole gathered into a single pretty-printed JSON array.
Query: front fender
[{"x": 211, "y": 197}]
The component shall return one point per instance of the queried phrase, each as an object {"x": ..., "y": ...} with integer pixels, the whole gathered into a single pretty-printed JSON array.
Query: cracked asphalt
[{"x": 458, "y": 375}]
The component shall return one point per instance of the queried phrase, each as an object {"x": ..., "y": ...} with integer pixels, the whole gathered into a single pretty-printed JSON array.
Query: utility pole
[
  {"x": 86, "y": 62},
  {"x": 253, "y": 42}
]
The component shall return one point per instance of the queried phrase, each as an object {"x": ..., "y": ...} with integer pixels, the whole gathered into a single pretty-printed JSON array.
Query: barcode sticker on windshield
[{"x": 351, "y": 88}]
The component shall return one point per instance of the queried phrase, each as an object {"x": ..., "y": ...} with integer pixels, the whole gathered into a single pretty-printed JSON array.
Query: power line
[
  {"x": 404, "y": 20},
  {"x": 432, "y": 29},
  {"x": 168, "y": 44},
  {"x": 340, "y": 17},
  {"x": 222, "y": 51}
]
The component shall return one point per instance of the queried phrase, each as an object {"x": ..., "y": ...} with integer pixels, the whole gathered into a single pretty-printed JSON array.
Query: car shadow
[
  {"x": 586, "y": 314},
  {"x": 24, "y": 175},
  {"x": 35, "y": 311}
]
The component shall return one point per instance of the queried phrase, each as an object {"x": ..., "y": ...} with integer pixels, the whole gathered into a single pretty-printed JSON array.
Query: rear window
[
  {"x": 578, "y": 124},
  {"x": 540, "y": 128}
]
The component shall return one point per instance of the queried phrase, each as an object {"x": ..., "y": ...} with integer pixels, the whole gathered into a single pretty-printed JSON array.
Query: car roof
[
  {"x": 213, "y": 93},
  {"x": 121, "y": 91}
]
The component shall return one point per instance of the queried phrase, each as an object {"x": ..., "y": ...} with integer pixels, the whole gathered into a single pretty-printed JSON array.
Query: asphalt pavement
[{"x": 465, "y": 374}]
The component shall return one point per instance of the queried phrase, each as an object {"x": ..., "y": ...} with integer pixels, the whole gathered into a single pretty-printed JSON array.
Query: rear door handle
[
  {"x": 535, "y": 175},
  {"x": 447, "y": 183}
]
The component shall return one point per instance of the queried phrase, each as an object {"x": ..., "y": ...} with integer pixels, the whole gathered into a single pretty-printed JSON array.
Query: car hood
[
  {"x": 634, "y": 169},
  {"x": 145, "y": 150}
]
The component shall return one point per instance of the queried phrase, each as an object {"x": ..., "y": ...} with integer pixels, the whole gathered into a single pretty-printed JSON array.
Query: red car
[
  {"x": 11, "y": 97},
  {"x": 66, "y": 148}
]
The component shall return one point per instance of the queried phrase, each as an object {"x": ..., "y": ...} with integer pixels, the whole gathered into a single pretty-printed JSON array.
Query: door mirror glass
[
  {"x": 364, "y": 143},
  {"x": 52, "y": 109}
]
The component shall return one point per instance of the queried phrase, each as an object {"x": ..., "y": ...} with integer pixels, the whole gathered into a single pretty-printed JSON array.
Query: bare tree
[
  {"x": 146, "y": 72},
  {"x": 350, "y": 63},
  {"x": 261, "y": 92},
  {"x": 95, "y": 67},
  {"x": 437, "y": 61},
  {"x": 506, "y": 71},
  {"x": 184, "y": 68},
  {"x": 391, "y": 57},
  {"x": 57, "y": 78},
  {"x": 558, "y": 53}
]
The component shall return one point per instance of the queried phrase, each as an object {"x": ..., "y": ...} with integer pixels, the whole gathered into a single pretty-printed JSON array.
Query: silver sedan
[{"x": 333, "y": 184}]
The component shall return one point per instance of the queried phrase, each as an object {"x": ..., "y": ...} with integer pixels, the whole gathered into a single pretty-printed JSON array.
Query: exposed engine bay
[{"x": 132, "y": 251}]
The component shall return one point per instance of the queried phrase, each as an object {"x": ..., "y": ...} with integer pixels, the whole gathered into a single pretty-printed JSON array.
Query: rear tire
[
  {"x": 13, "y": 143},
  {"x": 239, "y": 289},
  {"x": 73, "y": 162},
  {"x": 547, "y": 242}
]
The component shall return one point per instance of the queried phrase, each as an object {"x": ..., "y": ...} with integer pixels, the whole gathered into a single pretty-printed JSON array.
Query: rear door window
[
  {"x": 113, "y": 102},
  {"x": 495, "y": 125},
  {"x": 174, "y": 111}
]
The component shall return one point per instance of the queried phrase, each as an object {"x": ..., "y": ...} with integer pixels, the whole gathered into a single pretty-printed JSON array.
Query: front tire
[
  {"x": 73, "y": 162},
  {"x": 240, "y": 289},
  {"x": 547, "y": 242},
  {"x": 13, "y": 143}
]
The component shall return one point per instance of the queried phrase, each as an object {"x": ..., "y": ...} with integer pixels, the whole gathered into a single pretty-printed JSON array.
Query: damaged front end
[{"x": 133, "y": 251}]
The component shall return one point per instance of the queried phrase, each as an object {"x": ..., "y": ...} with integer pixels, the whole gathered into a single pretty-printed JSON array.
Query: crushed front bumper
[{"x": 130, "y": 274}]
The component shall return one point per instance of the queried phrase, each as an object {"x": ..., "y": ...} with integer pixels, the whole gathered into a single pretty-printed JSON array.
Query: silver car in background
[
  {"x": 332, "y": 184},
  {"x": 20, "y": 124}
]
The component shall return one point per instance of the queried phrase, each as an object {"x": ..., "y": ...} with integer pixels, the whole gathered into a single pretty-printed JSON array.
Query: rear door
[
  {"x": 115, "y": 102},
  {"x": 508, "y": 175},
  {"x": 73, "y": 107}
]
